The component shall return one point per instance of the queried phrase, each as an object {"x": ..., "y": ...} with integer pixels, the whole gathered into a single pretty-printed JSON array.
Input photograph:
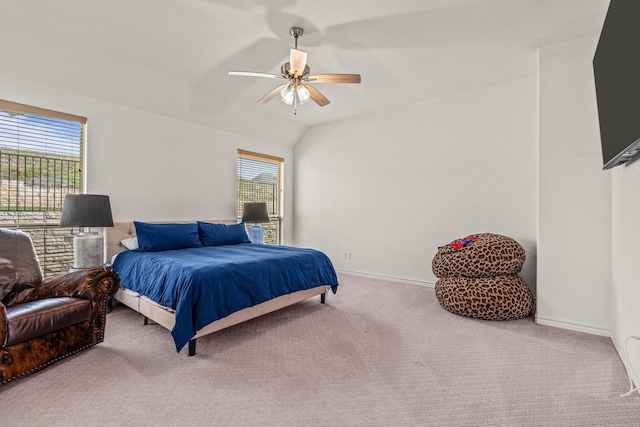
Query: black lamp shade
[
  {"x": 86, "y": 210},
  {"x": 255, "y": 213}
]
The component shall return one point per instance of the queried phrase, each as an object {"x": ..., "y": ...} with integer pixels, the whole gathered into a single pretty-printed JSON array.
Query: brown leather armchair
[{"x": 45, "y": 320}]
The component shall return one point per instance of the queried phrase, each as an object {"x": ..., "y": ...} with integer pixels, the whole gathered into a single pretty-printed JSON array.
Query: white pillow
[{"x": 131, "y": 243}]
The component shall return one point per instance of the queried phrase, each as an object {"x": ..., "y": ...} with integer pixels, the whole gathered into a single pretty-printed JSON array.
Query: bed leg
[
  {"x": 323, "y": 297},
  {"x": 146, "y": 321},
  {"x": 192, "y": 347}
]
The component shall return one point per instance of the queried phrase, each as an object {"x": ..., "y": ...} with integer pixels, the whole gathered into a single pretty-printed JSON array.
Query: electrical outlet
[{"x": 347, "y": 255}]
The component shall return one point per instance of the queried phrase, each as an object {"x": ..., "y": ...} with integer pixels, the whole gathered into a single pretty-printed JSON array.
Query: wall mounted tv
[{"x": 616, "y": 67}]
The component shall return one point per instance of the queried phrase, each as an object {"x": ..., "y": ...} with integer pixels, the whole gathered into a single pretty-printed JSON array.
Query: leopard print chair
[{"x": 478, "y": 277}]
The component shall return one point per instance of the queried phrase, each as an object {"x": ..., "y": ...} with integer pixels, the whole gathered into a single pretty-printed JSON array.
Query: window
[
  {"x": 40, "y": 163},
  {"x": 260, "y": 180}
]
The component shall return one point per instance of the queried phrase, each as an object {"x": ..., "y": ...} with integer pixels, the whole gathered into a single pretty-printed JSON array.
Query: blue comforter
[{"x": 205, "y": 284}]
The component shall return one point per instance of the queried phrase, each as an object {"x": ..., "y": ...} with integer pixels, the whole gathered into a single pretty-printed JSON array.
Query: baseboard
[
  {"x": 578, "y": 327},
  {"x": 416, "y": 282}
]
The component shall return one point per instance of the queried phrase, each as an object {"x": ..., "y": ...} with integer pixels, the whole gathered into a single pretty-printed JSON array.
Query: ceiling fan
[{"x": 297, "y": 90}]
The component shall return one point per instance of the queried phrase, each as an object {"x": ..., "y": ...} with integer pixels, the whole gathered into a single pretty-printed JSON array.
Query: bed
[{"x": 202, "y": 288}]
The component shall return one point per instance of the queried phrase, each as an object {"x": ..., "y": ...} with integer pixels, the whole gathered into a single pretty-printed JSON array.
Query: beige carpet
[{"x": 377, "y": 354}]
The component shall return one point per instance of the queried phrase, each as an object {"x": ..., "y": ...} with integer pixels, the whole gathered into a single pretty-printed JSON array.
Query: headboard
[{"x": 124, "y": 230}]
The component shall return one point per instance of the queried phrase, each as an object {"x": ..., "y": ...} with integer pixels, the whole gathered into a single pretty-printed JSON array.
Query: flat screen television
[{"x": 616, "y": 67}]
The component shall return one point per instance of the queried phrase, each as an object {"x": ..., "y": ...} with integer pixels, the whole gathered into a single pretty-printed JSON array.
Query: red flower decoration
[{"x": 461, "y": 243}]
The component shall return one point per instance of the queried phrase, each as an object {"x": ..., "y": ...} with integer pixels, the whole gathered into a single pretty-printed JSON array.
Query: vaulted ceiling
[{"x": 171, "y": 57}]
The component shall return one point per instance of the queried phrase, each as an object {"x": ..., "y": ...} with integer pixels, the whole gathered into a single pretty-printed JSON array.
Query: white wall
[
  {"x": 574, "y": 212},
  {"x": 626, "y": 253},
  {"x": 154, "y": 167},
  {"x": 589, "y": 228},
  {"x": 393, "y": 186}
]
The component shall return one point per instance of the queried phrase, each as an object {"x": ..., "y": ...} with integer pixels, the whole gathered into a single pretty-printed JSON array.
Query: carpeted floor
[{"x": 377, "y": 354}]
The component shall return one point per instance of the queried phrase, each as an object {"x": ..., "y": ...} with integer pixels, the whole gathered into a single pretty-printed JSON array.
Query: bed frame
[{"x": 166, "y": 317}]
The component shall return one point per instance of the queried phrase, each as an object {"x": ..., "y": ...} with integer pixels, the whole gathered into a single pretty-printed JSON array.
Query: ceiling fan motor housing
[{"x": 285, "y": 70}]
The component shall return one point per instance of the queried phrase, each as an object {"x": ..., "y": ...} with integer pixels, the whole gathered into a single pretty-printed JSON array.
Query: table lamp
[
  {"x": 255, "y": 213},
  {"x": 87, "y": 210}
]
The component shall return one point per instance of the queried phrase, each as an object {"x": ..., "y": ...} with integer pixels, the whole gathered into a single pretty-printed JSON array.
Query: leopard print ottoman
[
  {"x": 478, "y": 278},
  {"x": 483, "y": 255},
  {"x": 490, "y": 298}
]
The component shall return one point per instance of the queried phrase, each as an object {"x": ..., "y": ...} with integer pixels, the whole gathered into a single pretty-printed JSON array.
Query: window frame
[
  {"x": 33, "y": 160},
  {"x": 276, "y": 210}
]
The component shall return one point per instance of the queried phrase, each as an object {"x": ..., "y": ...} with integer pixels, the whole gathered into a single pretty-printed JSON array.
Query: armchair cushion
[{"x": 34, "y": 318}]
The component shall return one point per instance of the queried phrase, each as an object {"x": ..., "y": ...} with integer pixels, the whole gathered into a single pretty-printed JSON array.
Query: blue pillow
[
  {"x": 222, "y": 234},
  {"x": 164, "y": 237}
]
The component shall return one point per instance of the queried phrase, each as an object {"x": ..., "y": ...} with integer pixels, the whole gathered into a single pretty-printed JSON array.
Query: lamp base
[
  {"x": 256, "y": 234},
  {"x": 88, "y": 250}
]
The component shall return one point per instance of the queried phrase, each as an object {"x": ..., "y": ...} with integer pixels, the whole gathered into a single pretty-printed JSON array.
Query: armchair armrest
[{"x": 95, "y": 284}]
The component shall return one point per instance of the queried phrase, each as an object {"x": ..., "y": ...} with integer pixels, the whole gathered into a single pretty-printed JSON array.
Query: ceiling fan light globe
[
  {"x": 303, "y": 94},
  {"x": 288, "y": 94}
]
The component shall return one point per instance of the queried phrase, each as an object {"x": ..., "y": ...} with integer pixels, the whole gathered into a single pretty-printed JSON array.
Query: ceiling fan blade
[
  {"x": 297, "y": 62},
  {"x": 272, "y": 94},
  {"x": 334, "y": 78},
  {"x": 254, "y": 74},
  {"x": 317, "y": 97}
]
